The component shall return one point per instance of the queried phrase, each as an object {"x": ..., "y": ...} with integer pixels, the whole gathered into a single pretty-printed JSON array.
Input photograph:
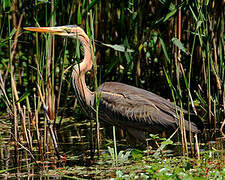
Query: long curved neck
[{"x": 80, "y": 70}]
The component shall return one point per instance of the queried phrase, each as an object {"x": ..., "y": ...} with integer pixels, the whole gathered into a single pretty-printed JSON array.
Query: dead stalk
[
  {"x": 197, "y": 147},
  {"x": 50, "y": 126}
]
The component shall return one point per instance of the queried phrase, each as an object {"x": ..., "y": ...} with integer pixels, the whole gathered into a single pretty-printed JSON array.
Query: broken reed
[{"x": 194, "y": 68}]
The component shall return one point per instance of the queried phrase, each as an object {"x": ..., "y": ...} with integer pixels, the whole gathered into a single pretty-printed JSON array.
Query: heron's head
[{"x": 72, "y": 31}]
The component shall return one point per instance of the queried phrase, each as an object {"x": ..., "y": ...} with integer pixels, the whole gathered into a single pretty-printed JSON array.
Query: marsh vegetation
[{"x": 172, "y": 48}]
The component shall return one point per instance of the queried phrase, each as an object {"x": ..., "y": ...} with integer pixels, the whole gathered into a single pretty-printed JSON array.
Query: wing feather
[{"x": 132, "y": 106}]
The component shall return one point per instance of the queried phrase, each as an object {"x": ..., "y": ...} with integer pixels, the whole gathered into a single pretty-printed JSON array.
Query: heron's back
[{"x": 129, "y": 106}]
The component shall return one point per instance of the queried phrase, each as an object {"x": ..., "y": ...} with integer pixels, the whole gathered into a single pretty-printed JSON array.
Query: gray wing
[{"x": 133, "y": 107}]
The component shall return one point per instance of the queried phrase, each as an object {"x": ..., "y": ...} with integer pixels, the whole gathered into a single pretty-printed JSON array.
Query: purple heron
[{"x": 130, "y": 108}]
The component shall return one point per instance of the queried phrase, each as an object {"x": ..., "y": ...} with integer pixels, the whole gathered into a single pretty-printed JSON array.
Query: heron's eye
[{"x": 68, "y": 30}]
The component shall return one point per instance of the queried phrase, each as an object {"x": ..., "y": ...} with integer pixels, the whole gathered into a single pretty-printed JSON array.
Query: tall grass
[{"x": 178, "y": 53}]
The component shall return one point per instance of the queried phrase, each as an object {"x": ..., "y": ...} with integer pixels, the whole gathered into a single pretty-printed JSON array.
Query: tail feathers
[{"x": 196, "y": 123}]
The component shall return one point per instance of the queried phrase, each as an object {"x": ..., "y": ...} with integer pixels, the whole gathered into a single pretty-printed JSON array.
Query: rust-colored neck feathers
[{"x": 80, "y": 69}]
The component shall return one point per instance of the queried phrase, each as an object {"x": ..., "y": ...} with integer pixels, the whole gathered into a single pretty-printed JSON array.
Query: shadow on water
[{"x": 74, "y": 145}]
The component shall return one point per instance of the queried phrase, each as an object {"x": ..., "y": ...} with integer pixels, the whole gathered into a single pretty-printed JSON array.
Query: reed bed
[{"x": 178, "y": 53}]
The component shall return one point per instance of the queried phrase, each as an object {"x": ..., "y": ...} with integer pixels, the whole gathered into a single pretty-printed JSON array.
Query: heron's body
[
  {"x": 137, "y": 110},
  {"x": 128, "y": 107}
]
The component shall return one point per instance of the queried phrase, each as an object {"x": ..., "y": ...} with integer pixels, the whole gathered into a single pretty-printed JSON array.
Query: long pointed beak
[{"x": 59, "y": 30}]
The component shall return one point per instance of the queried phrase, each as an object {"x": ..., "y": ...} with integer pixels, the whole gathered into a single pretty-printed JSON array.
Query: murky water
[
  {"x": 17, "y": 160},
  {"x": 75, "y": 146}
]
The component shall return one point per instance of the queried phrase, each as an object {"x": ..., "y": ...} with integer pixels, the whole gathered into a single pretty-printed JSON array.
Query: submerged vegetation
[{"x": 172, "y": 48}]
